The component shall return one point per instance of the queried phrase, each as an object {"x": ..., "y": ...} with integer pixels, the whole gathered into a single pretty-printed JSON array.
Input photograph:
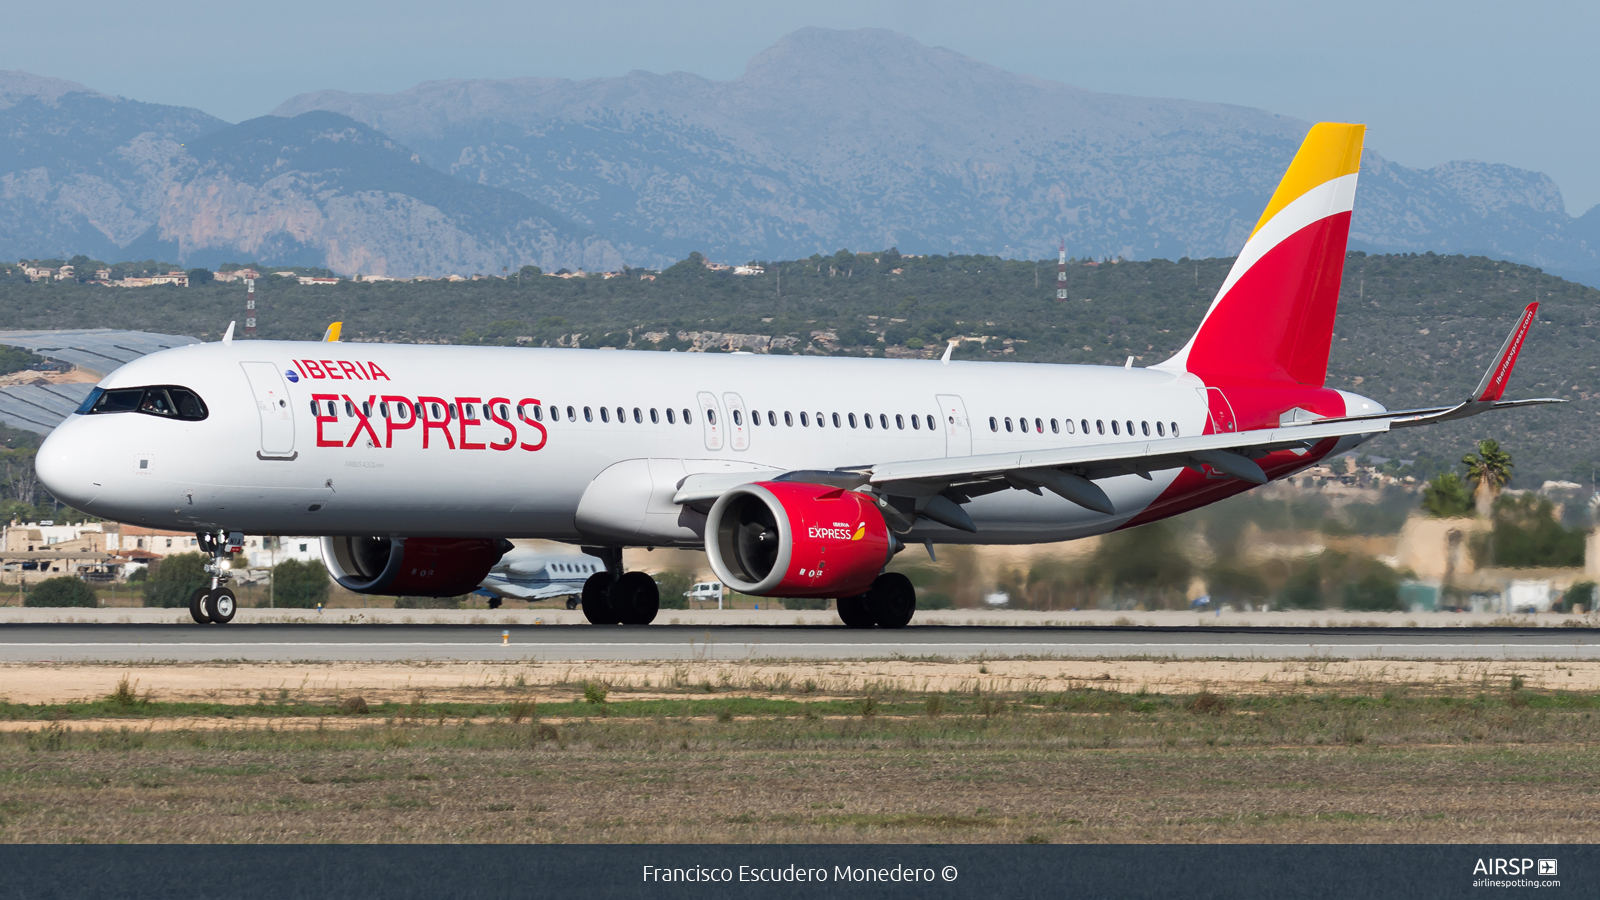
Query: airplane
[
  {"x": 799, "y": 476},
  {"x": 533, "y": 574}
]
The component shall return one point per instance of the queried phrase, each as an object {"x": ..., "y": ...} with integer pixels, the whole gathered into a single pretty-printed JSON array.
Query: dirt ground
[{"x": 246, "y": 683}]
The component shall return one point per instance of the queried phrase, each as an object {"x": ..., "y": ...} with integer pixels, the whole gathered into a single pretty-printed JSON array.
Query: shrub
[
  {"x": 173, "y": 579},
  {"x": 427, "y": 603},
  {"x": 299, "y": 585},
  {"x": 63, "y": 591},
  {"x": 673, "y": 587},
  {"x": 935, "y": 601},
  {"x": 805, "y": 603}
]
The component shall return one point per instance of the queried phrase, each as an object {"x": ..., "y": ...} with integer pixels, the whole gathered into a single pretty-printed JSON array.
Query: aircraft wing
[{"x": 935, "y": 488}]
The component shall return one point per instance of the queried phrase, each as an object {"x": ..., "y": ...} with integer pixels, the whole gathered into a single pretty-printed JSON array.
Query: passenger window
[
  {"x": 622, "y": 415},
  {"x": 852, "y": 420},
  {"x": 755, "y": 417},
  {"x": 687, "y": 418},
  {"x": 1069, "y": 426},
  {"x": 555, "y": 413},
  {"x": 1130, "y": 428},
  {"x": 1161, "y": 430},
  {"x": 383, "y": 410},
  {"x": 1145, "y": 427},
  {"x": 836, "y": 421},
  {"x": 711, "y": 416},
  {"x": 867, "y": 418},
  {"x": 605, "y": 414},
  {"x": 672, "y": 417},
  {"x": 772, "y": 418},
  {"x": 1008, "y": 423},
  {"x": 1055, "y": 427},
  {"x": 366, "y": 409},
  {"x": 315, "y": 410},
  {"x": 737, "y": 419},
  {"x": 994, "y": 424},
  {"x": 654, "y": 418},
  {"x": 804, "y": 421},
  {"x": 1174, "y": 429},
  {"x": 588, "y": 414},
  {"x": 931, "y": 426},
  {"x": 1115, "y": 429},
  {"x": 916, "y": 423},
  {"x": 1099, "y": 426},
  {"x": 538, "y": 412},
  {"x": 333, "y": 409},
  {"x": 788, "y": 418},
  {"x": 899, "y": 422},
  {"x": 452, "y": 408},
  {"x": 883, "y": 421},
  {"x": 638, "y": 418}
]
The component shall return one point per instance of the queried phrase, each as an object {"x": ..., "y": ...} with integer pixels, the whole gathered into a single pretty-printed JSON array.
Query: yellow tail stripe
[{"x": 1332, "y": 150}]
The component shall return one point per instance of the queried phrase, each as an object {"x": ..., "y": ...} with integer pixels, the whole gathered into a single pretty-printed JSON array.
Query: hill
[{"x": 1412, "y": 330}]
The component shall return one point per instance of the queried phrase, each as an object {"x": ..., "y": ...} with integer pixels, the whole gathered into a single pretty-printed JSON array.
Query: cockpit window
[{"x": 167, "y": 401}]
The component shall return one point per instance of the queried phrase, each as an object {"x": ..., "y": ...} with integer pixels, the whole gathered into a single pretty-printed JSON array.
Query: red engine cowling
[
  {"x": 411, "y": 567},
  {"x": 792, "y": 539}
]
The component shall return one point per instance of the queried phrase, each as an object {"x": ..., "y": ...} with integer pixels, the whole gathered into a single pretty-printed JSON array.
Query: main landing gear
[
  {"x": 889, "y": 603},
  {"x": 215, "y": 604},
  {"x": 615, "y": 597}
]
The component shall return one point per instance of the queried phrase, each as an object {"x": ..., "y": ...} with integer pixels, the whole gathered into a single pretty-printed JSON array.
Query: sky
[{"x": 1513, "y": 83}]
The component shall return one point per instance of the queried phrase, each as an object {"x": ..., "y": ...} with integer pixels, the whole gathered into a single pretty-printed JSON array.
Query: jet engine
[
  {"x": 793, "y": 539},
  {"x": 411, "y": 567}
]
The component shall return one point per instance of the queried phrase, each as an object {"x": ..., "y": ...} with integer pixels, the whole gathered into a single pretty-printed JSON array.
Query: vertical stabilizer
[{"x": 1272, "y": 320}]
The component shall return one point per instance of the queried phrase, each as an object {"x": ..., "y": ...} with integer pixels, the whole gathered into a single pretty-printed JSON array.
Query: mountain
[
  {"x": 80, "y": 171},
  {"x": 868, "y": 139},
  {"x": 117, "y": 179}
]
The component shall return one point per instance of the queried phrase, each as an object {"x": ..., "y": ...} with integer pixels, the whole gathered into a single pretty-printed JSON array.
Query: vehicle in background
[{"x": 706, "y": 592}]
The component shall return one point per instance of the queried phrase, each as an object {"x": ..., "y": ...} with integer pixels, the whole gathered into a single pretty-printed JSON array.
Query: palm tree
[{"x": 1489, "y": 470}]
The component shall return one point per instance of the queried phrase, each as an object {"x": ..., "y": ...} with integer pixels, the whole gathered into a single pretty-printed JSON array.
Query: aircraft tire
[
  {"x": 854, "y": 612},
  {"x": 572, "y": 601},
  {"x": 892, "y": 600},
  {"x": 221, "y": 605},
  {"x": 635, "y": 599},
  {"x": 597, "y": 601},
  {"x": 196, "y": 611}
]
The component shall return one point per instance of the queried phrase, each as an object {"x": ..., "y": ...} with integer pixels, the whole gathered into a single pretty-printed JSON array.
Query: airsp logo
[{"x": 1512, "y": 866}]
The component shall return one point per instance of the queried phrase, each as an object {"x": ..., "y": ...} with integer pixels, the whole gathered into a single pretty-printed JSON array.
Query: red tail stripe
[{"x": 1502, "y": 370}]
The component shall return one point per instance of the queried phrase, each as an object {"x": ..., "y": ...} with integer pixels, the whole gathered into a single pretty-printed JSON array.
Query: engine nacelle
[
  {"x": 792, "y": 539},
  {"x": 411, "y": 567}
]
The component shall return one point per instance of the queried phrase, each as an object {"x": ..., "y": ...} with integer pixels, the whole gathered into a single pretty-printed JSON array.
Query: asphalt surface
[{"x": 349, "y": 643}]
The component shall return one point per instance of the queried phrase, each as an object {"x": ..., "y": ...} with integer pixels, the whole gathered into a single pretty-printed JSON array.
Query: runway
[{"x": 25, "y": 643}]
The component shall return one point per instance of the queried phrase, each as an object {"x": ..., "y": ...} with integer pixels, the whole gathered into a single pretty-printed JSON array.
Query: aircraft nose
[{"x": 67, "y": 469}]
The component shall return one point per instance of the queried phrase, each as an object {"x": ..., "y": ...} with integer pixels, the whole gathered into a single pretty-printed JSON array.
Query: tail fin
[{"x": 1273, "y": 318}]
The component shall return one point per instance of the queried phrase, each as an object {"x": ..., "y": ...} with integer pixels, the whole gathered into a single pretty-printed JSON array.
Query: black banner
[{"x": 1224, "y": 872}]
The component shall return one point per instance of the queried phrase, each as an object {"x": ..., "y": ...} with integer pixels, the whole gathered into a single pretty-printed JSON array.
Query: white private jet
[
  {"x": 800, "y": 476},
  {"x": 534, "y": 573}
]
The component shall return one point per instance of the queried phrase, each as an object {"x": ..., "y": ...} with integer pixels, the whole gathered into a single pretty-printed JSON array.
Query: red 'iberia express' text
[{"x": 443, "y": 422}]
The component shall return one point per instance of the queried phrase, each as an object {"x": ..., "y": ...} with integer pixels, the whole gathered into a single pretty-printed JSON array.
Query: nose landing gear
[{"x": 215, "y": 604}]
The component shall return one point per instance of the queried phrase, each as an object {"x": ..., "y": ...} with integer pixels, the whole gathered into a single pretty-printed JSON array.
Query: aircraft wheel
[
  {"x": 196, "y": 610},
  {"x": 220, "y": 605},
  {"x": 854, "y": 612},
  {"x": 494, "y": 602},
  {"x": 635, "y": 599},
  {"x": 572, "y": 602},
  {"x": 892, "y": 600},
  {"x": 597, "y": 601}
]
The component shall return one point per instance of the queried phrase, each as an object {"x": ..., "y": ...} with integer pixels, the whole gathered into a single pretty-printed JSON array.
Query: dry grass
[{"x": 590, "y": 761}]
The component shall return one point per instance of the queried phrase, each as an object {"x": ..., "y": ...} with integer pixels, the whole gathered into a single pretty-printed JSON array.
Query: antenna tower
[
  {"x": 249, "y": 307},
  {"x": 1061, "y": 273}
]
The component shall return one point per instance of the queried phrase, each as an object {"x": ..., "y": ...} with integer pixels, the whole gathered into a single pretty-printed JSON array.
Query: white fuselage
[{"x": 263, "y": 462}]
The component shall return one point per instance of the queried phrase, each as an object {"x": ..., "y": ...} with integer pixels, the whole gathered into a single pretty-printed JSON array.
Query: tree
[
  {"x": 63, "y": 591},
  {"x": 198, "y": 277},
  {"x": 1446, "y": 497},
  {"x": 299, "y": 585},
  {"x": 1489, "y": 470},
  {"x": 173, "y": 579},
  {"x": 1145, "y": 562},
  {"x": 1526, "y": 534}
]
